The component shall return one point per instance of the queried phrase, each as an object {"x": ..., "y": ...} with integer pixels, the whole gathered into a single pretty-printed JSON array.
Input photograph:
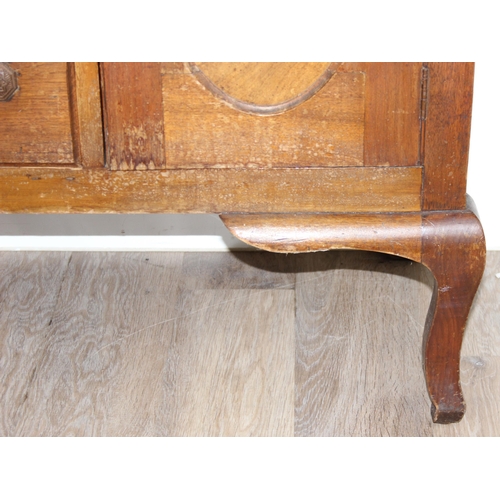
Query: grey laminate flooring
[{"x": 223, "y": 344}]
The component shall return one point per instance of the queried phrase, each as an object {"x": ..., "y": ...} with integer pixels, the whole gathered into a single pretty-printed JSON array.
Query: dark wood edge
[
  {"x": 132, "y": 100},
  {"x": 446, "y": 134},
  {"x": 73, "y": 109},
  {"x": 454, "y": 250},
  {"x": 86, "y": 128},
  {"x": 393, "y": 233}
]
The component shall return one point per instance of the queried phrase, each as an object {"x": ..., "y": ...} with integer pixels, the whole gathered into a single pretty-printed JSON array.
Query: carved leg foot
[{"x": 453, "y": 248}]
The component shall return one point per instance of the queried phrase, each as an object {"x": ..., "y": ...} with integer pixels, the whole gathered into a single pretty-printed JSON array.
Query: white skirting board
[
  {"x": 116, "y": 233},
  {"x": 128, "y": 233},
  {"x": 184, "y": 243}
]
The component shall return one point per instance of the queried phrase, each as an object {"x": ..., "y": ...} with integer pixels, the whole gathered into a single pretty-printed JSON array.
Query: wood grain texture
[
  {"x": 35, "y": 126},
  {"x": 179, "y": 367},
  {"x": 447, "y": 131},
  {"x": 226, "y": 383},
  {"x": 133, "y": 116},
  {"x": 44, "y": 190},
  {"x": 358, "y": 354},
  {"x": 392, "y": 125},
  {"x": 398, "y": 234},
  {"x": 263, "y": 83},
  {"x": 263, "y": 88},
  {"x": 86, "y": 116},
  {"x": 453, "y": 248},
  {"x": 30, "y": 285},
  {"x": 137, "y": 345},
  {"x": 201, "y": 130},
  {"x": 77, "y": 390},
  {"x": 240, "y": 271}
]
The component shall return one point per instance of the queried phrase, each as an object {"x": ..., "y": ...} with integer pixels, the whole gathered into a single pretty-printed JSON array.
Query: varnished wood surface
[
  {"x": 35, "y": 126},
  {"x": 86, "y": 116},
  {"x": 44, "y": 190},
  {"x": 133, "y": 116},
  {"x": 201, "y": 130},
  {"x": 200, "y": 344},
  {"x": 447, "y": 132},
  {"x": 397, "y": 234},
  {"x": 263, "y": 83},
  {"x": 392, "y": 125},
  {"x": 454, "y": 249},
  {"x": 263, "y": 88},
  {"x": 365, "y": 114}
]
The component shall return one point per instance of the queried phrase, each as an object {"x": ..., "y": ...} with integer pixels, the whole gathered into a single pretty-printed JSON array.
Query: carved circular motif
[
  {"x": 263, "y": 88},
  {"x": 8, "y": 82}
]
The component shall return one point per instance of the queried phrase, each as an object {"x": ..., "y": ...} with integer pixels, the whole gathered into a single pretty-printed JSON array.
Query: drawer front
[
  {"x": 198, "y": 137},
  {"x": 261, "y": 115},
  {"x": 53, "y": 117}
]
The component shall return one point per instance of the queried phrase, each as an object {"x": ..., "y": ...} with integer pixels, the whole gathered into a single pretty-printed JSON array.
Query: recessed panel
[{"x": 202, "y": 129}]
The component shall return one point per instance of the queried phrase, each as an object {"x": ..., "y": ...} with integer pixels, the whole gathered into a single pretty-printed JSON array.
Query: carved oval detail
[
  {"x": 263, "y": 88},
  {"x": 8, "y": 82}
]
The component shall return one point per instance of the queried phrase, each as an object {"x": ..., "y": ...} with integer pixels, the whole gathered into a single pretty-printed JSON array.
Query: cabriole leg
[{"x": 453, "y": 248}]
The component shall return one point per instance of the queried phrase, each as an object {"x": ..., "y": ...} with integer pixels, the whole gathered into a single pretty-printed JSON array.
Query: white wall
[
  {"x": 484, "y": 158},
  {"x": 197, "y": 232}
]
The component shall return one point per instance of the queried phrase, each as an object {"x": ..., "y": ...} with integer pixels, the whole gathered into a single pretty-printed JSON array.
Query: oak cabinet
[{"x": 295, "y": 157}]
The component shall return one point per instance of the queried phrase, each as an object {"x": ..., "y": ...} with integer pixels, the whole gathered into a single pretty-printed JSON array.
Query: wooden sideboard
[{"x": 295, "y": 157}]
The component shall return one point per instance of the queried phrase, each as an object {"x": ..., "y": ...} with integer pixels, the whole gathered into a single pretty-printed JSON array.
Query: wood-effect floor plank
[
  {"x": 85, "y": 357},
  {"x": 30, "y": 285},
  {"x": 359, "y": 341},
  {"x": 233, "y": 364},
  {"x": 251, "y": 343},
  {"x": 238, "y": 270}
]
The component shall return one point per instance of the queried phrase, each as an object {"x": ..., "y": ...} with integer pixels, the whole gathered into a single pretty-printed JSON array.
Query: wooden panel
[
  {"x": 202, "y": 130},
  {"x": 398, "y": 234},
  {"x": 447, "y": 132},
  {"x": 35, "y": 126},
  {"x": 331, "y": 128},
  {"x": 354, "y": 189},
  {"x": 392, "y": 125},
  {"x": 263, "y": 88},
  {"x": 263, "y": 83},
  {"x": 133, "y": 116},
  {"x": 86, "y": 115}
]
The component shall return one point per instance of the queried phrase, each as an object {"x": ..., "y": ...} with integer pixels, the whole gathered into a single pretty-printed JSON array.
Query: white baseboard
[{"x": 184, "y": 243}]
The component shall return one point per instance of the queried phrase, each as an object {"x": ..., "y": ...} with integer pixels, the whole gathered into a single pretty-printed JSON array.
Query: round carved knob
[{"x": 8, "y": 82}]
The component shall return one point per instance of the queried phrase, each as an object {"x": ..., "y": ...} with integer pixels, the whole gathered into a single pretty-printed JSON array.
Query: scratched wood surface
[
  {"x": 255, "y": 343},
  {"x": 35, "y": 126},
  {"x": 65, "y": 190},
  {"x": 201, "y": 130}
]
